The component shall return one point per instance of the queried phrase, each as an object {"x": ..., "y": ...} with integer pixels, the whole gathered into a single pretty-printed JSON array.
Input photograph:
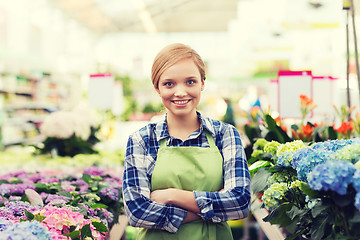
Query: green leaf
[
  {"x": 318, "y": 227},
  {"x": 295, "y": 212},
  {"x": 3, "y": 181},
  {"x": 65, "y": 194},
  {"x": 29, "y": 215},
  {"x": 332, "y": 133},
  {"x": 87, "y": 178},
  {"x": 294, "y": 236},
  {"x": 39, "y": 218},
  {"x": 257, "y": 165},
  {"x": 86, "y": 232},
  {"x": 73, "y": 234},
  {"x": 279, "y": 216},
  {"x": 259, "y": 180},
  {"x": 252, "y": 133},
  {"x": 355, "y": 218},
  {"x": 99, "y": 226},
  {"x": 318, "y": 209},
  {"x": 281, "y": 135},
  {"x": 308, "y": 191},
  {"x": 41, "y": 186},
  {"x": 99, "y": 205}
]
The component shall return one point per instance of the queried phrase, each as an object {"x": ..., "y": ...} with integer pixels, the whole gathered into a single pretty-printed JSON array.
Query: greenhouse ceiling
[{"x": 151, "y": 15}]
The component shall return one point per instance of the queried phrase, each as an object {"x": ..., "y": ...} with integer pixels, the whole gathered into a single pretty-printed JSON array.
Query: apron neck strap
[{"x": 209, "y": 138}]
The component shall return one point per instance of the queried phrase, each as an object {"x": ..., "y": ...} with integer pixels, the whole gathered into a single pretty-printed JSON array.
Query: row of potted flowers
[{"x": 53, "y": 205}]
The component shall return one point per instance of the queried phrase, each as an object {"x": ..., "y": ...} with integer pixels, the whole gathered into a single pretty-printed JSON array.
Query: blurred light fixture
[
  {"x": 315, "y": 4},
  {"x": 145, "y": 16}
]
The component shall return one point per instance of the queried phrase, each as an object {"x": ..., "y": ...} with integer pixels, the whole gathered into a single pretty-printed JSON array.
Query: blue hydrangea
[
  {"x": 26, "y": 230},
  {"x": 306, "y": 164},
  {"x": 4, "y": 224},
  {"x": 334, "y": 145},
  {"x": 349, "y": 153},
  {"x": 332, "y": 175},
  {"x": 356, "y": 180},
  {"x": 357, "y": 201},
  {"x": 304, "y": 160},
  {"x": 285, "y": 159}
]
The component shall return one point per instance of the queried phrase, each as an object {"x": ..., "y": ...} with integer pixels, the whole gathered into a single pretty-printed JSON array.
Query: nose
[{"x": 180, "y": 91}]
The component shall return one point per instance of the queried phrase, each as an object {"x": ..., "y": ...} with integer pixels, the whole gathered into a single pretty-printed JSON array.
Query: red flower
[
  {"x": 345, "y": 128},
  {"x": 307, "y": 129},
  {"x": 305, "y": 100}
]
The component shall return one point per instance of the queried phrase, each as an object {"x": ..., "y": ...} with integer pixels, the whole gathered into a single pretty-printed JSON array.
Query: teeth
[{"x": 181, "y": 102}]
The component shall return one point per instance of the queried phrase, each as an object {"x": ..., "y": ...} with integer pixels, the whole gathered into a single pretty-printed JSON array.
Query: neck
[{"x": 182, "y": 126}]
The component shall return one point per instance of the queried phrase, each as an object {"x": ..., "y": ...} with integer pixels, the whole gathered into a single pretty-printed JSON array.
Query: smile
[{"x": 181, "y": 102}]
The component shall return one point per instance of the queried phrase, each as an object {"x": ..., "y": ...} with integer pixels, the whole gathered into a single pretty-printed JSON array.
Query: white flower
[{"x": 58, "y": 124}]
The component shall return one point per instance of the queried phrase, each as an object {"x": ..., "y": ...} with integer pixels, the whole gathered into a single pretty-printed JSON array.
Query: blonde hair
[{"x": 170, "y": 55}]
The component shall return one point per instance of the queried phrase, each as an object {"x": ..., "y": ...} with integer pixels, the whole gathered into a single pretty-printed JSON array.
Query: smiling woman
[{"x": 186, "y": 175}]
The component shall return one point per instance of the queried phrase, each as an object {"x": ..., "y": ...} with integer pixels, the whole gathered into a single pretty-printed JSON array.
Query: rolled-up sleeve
[
  {"x": 234, "y": 201},
  {"x": 141, "y": 211}
]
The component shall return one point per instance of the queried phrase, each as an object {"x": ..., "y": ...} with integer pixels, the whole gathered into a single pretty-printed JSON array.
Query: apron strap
[{"x": 210, "y": 139}]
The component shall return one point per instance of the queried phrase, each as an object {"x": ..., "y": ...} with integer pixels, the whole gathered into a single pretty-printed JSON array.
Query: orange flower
[
  {"x": 345, "y": 128},
  {"x": 307, "y": 129},
  {"x": 305, "y": 100}
]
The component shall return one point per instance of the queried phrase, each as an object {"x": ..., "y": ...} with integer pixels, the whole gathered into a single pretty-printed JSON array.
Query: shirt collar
[{"x": 162, "y": 131}]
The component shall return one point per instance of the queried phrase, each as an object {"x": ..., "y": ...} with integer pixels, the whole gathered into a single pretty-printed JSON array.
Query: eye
[
  {"x": 191, "y": 82},
  {"x": 168, "y": 84}
]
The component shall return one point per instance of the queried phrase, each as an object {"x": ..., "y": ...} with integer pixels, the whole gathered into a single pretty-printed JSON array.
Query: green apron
[{"x": 192, "y": 169}]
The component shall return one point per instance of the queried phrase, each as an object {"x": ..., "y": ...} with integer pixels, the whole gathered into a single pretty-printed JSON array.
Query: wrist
[{"x": 173, "y": 196}]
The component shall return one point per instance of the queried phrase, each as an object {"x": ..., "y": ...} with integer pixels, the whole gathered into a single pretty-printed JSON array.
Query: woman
[{"x": 186, "y": 175}]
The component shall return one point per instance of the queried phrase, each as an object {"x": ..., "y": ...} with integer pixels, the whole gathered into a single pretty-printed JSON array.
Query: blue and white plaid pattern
[{"x": 232, "y": 203}]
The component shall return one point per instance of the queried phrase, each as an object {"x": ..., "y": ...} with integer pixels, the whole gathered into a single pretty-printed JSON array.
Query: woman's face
[{"x": 180, "y": 88}]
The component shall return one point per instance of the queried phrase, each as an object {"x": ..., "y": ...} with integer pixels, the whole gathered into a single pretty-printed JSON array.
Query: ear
[
  {"x": 157, "y": 90},
  {"x": 202, "y": 85}
]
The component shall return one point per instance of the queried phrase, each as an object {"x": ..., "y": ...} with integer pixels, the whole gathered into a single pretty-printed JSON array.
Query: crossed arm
[{"x": 181, "y": 198}]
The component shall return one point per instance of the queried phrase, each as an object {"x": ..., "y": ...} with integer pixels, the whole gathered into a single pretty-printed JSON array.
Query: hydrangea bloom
[
  {"x": 94, "y": 171},
  {"x": 261, "y": 142},
  {"x": 356, "y": 180},
  {"x": 278, "y": 177},
  {"x": 349, "y": 153},
  {"x": 59, "y": 220},
  {"x": 271, "y": 147},
  {"x": 15, "y": 210},
  {"x": 357, "y": 201},
  {"x": 4, "y": 224},
  {"x": 312, "y": 158},
  {"x": 285, "y": 159},
  {"x": 286, "y": 151},
  {"x": 290, "y": 147},
  {"x": 26, "y": 230},
  {"x": 273, "y": 194},
  {"x": 332, "y": 175}
]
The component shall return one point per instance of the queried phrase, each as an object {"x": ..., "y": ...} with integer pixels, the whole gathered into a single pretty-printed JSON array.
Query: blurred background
[
  {"x": 50, "y": 49},
  {"x": 76, "y": 71}
]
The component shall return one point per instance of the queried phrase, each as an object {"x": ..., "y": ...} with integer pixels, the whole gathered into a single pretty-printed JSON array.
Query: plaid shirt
[{"x": 142, "y": 147}]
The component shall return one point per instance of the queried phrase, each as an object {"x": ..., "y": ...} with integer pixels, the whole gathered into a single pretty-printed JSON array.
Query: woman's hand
[
  {"x": 181, "y": 198},
  {"x": 162, "y": 196}
]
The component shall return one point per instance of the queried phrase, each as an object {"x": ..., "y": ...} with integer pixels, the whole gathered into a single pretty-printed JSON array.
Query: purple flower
[
  {"x": 54, "y": 199},
  {"x": 332, "y": 175},
  {"x": 18, "y": 189},
  {"x": 94, "y": 171},
  {"x": 112, "y": 193}
]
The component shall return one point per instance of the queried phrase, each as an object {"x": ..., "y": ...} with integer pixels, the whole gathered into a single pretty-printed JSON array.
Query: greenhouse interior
[{"x": 83, "y": 114}]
